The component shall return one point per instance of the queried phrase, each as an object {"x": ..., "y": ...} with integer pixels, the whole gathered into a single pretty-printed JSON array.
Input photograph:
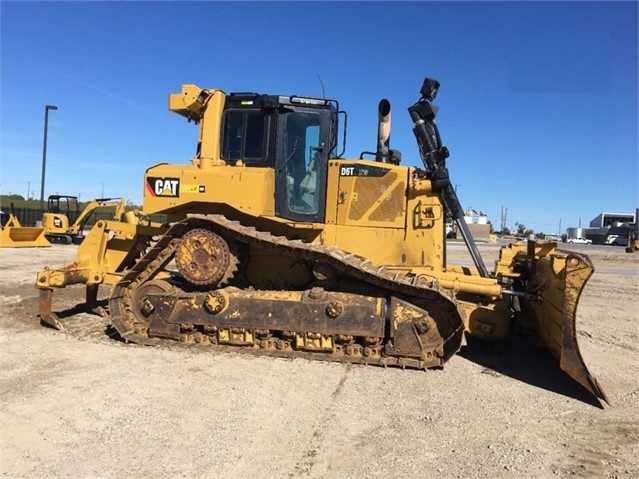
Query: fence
[{"x": 33, "y": 217}]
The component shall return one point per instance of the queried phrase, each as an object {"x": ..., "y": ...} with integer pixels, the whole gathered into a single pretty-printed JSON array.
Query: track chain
[{"x": 413, "y": 287}]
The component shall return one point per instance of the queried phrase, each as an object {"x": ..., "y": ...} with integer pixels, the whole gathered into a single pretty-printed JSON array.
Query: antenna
[{"x": 322, "y": 83}]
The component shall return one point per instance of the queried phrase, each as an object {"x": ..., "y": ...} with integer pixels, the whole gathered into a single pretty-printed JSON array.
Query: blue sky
[{"x": 538, "y": 103}]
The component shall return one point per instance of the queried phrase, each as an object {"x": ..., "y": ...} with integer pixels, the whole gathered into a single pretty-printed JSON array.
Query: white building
[
  {"x": 475, "y": 217},
  {"x": 612, "y": 219}
]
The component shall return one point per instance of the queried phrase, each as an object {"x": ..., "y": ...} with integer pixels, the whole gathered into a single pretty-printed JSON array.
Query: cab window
[{"x": 244, "y": 136}]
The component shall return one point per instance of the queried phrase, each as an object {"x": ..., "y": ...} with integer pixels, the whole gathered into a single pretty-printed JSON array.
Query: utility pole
[
  {"x": 44, "y": 150},
  {"x": 28, "y": 190},
  {"x": 504, "y": 216}
]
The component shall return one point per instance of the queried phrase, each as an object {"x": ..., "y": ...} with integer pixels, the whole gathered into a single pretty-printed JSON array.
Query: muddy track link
[{"x": 410, "y": 289}]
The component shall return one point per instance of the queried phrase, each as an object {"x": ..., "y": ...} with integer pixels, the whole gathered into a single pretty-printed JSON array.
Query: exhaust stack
[{"x": 383, "y": 131}]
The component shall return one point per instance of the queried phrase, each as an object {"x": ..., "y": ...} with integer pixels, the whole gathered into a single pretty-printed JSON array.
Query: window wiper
[{"x": 289, "y": 156}]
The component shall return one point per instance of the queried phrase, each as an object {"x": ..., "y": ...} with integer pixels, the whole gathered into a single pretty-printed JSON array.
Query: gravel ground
[{"x": 78, "y": 404}]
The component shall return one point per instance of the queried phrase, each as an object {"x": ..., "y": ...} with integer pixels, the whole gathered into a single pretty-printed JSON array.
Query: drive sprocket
[{"x": 204, "y": 258}]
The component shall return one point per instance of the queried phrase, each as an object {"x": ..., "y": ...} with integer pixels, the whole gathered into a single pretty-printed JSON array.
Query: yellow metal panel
[
  {"x": 371, "y": 194},
  {"x": 332, "y": 191},
  {"x": 210, "y": 130},
  {"x": 381, "y": 246},
  {"x": 55, "y": 223},
  {"x": 169, "y": 188}
]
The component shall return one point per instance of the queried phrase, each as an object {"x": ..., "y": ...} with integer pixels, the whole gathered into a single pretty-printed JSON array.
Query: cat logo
[{"x": 167, "y": 187}]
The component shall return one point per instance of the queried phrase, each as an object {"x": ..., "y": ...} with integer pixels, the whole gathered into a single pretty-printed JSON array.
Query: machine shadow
[
  {"x": 70, "y": 312},
  {"x": 109, "y": 330},
  {"x": 81, "y": 308},
  {"x": 517, "y": 358}
]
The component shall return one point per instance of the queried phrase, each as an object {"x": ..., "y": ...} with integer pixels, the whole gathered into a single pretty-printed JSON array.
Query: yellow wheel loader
[
  {"x": 278, "y": 245},
  {"x": 57, "y": 224},
  {"x": 14, "y": 235}
]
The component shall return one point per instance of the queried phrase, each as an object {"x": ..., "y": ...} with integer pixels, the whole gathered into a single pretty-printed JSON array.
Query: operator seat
[{"x": 308, "y": 185}]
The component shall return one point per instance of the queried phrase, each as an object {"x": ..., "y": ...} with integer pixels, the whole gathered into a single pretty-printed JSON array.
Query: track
[{"x": 140, "y": 291}]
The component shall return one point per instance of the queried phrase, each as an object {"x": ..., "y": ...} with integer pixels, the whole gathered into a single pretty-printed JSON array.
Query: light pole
[{"x": 44, "y": 150}]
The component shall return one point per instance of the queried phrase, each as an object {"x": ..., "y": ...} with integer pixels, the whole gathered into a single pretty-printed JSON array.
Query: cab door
[{"x": 301, "y": 164}]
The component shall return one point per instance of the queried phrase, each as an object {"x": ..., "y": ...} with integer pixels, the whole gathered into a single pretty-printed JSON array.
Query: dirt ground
[{"x": 79, "y": 404}]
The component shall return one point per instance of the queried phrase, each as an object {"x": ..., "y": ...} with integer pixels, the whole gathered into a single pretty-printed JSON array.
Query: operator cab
[
  {"x": 293, "y": 135},
  {"x": 63, "y": 205}
]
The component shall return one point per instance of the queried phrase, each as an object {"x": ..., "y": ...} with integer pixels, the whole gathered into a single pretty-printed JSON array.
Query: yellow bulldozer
[
  {"x": 278, "y": 245},
  {"x": 56, "y": 221}
]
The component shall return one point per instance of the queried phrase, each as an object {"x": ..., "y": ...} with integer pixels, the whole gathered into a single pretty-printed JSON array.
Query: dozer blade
[{"x": 557, "y": 281}]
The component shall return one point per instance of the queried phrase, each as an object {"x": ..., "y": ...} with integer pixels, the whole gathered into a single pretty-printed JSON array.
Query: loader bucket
[
  {"x": 15, "y": 236},
  {"x": 556, "y": 281}
]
